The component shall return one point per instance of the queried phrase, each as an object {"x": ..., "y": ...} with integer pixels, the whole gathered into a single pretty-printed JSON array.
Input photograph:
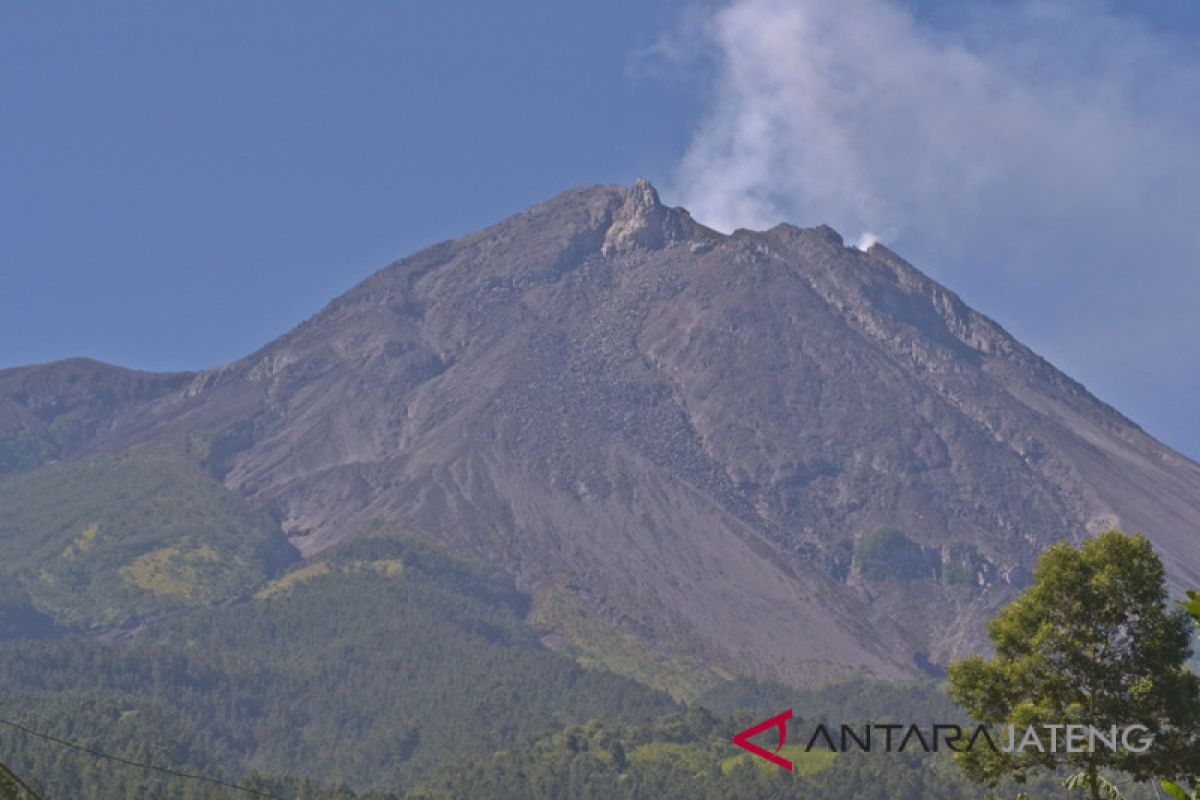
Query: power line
[
  {"x": 4, "y": 770},
  {"x": 132, "y": 763}
]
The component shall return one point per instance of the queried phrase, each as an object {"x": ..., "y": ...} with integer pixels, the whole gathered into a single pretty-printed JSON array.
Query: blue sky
[{"x": 179, "y": 183}]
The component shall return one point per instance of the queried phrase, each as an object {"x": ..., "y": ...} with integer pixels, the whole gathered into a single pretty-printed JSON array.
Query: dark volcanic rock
[{"x": 700, "y": 435}]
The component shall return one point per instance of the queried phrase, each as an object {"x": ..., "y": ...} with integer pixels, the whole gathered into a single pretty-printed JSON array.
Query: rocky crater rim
[{"x": 641, "y": 221}]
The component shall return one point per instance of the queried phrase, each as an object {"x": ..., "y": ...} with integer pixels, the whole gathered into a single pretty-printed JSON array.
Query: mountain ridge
[{"x": 704, "y": 437}]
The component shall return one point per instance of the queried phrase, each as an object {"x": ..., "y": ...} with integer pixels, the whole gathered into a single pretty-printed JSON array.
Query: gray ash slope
[{"x": 697, "y": 434}]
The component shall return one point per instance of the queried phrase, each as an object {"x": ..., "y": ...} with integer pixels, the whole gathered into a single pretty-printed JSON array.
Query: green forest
[
  {"x": 391, "y": 669},
  {"x": 368, "y": 669}
]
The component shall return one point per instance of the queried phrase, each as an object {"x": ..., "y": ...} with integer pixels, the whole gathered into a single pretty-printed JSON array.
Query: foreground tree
[
  {"x": 1091, "y": 642},
  {"x": 1177, "y": 792}
]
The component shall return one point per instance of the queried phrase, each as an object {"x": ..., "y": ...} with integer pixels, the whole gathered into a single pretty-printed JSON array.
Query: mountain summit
[{"x": 762, "y": 453}]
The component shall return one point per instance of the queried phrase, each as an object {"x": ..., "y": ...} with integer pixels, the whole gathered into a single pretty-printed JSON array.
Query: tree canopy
[{"x": 1093, "y": 641}]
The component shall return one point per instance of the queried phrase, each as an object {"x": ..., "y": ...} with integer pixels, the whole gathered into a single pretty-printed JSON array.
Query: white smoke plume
[
  {"x": 866, "y": 241},
  {"x": 858, "y": 113},
  {"x": 1039, "y": 155}
]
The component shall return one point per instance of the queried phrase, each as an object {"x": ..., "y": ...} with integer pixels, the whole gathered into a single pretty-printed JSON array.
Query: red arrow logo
[{"x": 779, "y": 722}]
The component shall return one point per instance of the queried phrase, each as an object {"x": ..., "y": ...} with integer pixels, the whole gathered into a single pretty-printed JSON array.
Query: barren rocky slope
[{"x": 765, "y": 452}]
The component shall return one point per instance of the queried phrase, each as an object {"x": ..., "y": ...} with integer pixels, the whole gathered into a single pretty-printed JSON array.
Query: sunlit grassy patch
[
  {"x": 83, "y": 542},
  {"x": 171, "y": 571},
  {"x": 388, "y": 567},
  {"x": 292, "y": 579}
]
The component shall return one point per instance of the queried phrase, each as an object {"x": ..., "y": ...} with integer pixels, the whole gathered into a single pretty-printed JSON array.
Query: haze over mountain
[{"x": 765, "y": 453}]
